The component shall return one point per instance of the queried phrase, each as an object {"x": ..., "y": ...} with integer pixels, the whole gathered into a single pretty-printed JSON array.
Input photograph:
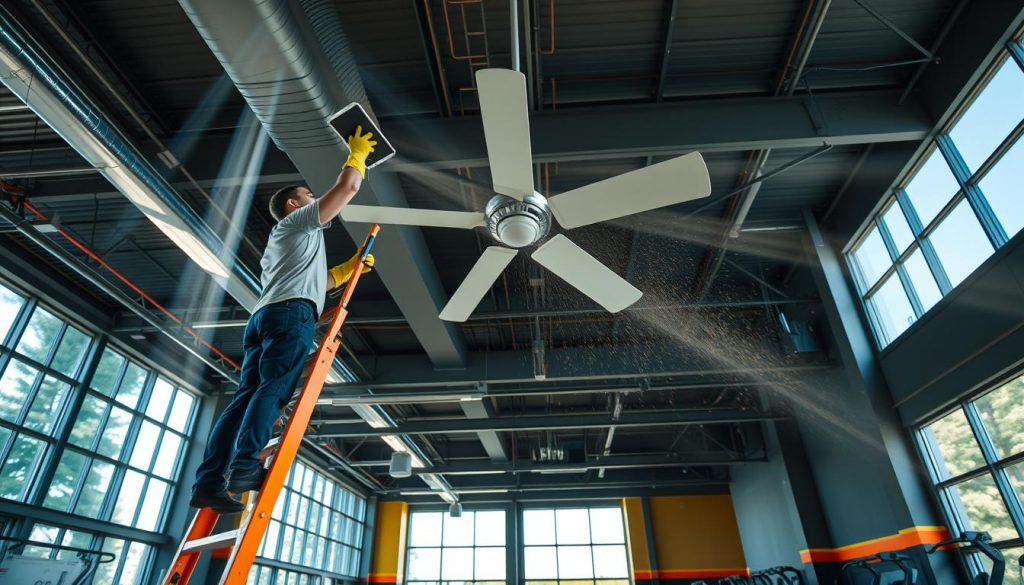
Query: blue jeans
[{"x": 277, "y": 340}]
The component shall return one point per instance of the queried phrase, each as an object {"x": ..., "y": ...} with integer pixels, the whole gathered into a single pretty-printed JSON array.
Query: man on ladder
[{"x": 280, "y": 332}]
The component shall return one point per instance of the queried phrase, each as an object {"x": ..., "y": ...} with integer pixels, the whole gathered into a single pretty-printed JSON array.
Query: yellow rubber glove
[
  {"x": 343, "y": 272},
  {"x": 360, "y": 146}
]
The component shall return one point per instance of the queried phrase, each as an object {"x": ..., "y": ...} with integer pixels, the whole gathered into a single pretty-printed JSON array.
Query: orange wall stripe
[
  {"x": 382, "y": 578},
  {"x": 906, "y": 538},
  {"x": 689, "y": 573}
]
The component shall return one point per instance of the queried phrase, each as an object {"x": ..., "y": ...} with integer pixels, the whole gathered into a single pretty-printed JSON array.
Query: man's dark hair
[{"x": 278, "y": 200}]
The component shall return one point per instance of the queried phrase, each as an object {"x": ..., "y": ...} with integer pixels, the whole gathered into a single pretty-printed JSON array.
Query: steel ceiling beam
[
  {"x": 666, "y": 55},
  {"x": 493, "y": 443},
  {"x": 540, "y": 423},
  {"x": 608, "y": 364},
  {"x": 652, "y": 461},
  {"x": 670, "y": 128}
]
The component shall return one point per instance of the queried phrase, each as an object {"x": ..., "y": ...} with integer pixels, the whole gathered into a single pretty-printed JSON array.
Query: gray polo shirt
[{"x": 295, "y": 261}]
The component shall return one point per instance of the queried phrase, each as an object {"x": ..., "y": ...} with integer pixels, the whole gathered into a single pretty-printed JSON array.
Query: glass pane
[
  {"x": 893, "y": 310},
  {"x": 75, "y": 539},
  {"x": 1001, "y": 187},
  {"x": 160, "y": 399},
  {"x": 979, "y": 499},
  {"x": 574, "y": 562},
  {"x": 1002, "y": 411},
  {"x": 15, "y": 387},
  {"x": 167, "y": 460},
  {"x": 572, "y": 526},
  {"x": 105, "y": 571},
  {"x": 42, "y": 533},
  {"x": 88, "y": 422},
  {"x": 932, "y": 187},
  {"x": 20, "y": 467},
  {"x": 152, "y": 505},
  {"x": 960, "y": 243},
  {"x": 898, "y": 227},
  {"x": 457, "y": 564},
  {"x": 106, "y": 372},
  {"x": 424, "y": 564},
  {"x": 541, "y": 562},
  {"x": 539, "y": 527},
  {"x": 958, "y": 451},
  {"x": 131, "y": 574},
  {"x": 924, "y": 283},
  {"x": 42, "y": 330},
  {"x": 871, "y": 258},
  {"x": 131, "y": 385},
  {"x": 46, "y": 405},
  {"x": 145, "y": 446},
  {"x": 606, "y": 526},
  {"x": 128, "y": 497},
  {"x": 490, "y": 563},
  {"x": 490, "y": 528},
  {"x": 426, "y": 529},
  {"x": 94, "y": 489},
  {"x": 458, "y": 531},
  {"x": 610, "y": 562},
  {"x": 10, "y": 304},
  {"x": 181, "y": 411},
  {"x": 71, "y": 351},
  {"x": 114, "y": 432},
  {"x": 994, "y": 113},
  {"x": 58, "y": 497}
]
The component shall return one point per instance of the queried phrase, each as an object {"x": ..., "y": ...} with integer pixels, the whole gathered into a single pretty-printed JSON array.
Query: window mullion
[
  {"x": 1017, "y": 52},
  {"x": 894, "y": 256},
  {"x": 66, "y": 425},
  {"x": 988, "y": 450},
  {"x": 927, "y": 250},
  {"x": 982, "y": 210}
]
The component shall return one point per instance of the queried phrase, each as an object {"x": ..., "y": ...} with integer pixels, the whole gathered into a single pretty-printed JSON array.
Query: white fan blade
[
  {"x": 564, "y": 258},
  {"x": 507, "y": 130},
  {"x": 405, "y": 216},
  {"x": 674, "y": 181},
  {"x": 486, "y": 270}
]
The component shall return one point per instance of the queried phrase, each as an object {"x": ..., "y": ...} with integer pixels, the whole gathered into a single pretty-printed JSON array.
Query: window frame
[
  {"x": 443, "y": 510},
  {"x": 56, "y": 441},
  {"x": 993, "y": 467},
  {"x": 521, "y": 545},
  {"x": 970, "y": 190}
]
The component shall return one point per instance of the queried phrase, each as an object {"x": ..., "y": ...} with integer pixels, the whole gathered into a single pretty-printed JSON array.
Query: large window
[
  {"x": 959, "y": 206},
  {"x": 316, "y": 525},
  {"x": 110, "y": 451},
  {"x": 464, "y": 550},
  {"x": 975, "y": 456},
  {"x": 130, "y": 558},
  {"x": 585, "y": 546}
]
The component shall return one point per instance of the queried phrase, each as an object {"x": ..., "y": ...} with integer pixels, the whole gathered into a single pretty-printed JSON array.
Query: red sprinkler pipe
[{"x": 78, "y": 244}]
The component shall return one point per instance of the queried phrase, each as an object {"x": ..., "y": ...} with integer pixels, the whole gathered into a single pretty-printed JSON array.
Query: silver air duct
[{"x": 35, "y": 78}]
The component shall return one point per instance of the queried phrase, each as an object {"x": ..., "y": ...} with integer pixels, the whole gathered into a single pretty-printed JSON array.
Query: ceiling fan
[{"x": 518, "y": 216}]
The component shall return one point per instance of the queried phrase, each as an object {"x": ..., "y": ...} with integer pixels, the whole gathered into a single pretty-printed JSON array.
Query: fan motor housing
[{"x": 518, "y": 223}]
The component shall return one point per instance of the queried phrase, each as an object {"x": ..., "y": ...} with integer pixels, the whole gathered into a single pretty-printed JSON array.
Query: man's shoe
[
  {"x": 244, "y": 480},
  {"x": 220, "y": 502}
]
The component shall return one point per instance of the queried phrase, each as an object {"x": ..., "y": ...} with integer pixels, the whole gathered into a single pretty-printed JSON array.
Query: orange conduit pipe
[{"x": 149, "y": 299}]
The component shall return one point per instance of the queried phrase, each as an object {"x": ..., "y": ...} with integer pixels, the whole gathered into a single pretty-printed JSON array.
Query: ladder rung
[
  {"x": 212, "y": 542},
  {"x": 271, "y": 448}
]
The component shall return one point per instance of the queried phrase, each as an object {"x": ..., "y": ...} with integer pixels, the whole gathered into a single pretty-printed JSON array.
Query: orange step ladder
[{"x": 244, "y": 541}]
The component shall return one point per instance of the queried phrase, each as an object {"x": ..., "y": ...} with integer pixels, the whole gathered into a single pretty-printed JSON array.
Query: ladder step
[
  {"x": 211, "y": 542},
  {"x": 271, "y": 448}
]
